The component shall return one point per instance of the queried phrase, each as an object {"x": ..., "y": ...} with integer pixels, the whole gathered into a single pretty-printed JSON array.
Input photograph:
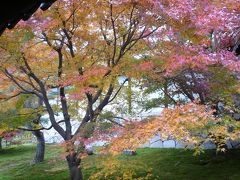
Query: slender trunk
[
  {"x": 165, "y": 94},
  {"x": 0, "y": 143},
  {"x": 74, "y": 167},
  {"x": 129, "y": 95},
  {"x": 40, "y": 149}
]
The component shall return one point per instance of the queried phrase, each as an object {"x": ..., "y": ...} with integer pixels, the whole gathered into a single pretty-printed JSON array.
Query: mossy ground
[{"x": 15, "y": 163}]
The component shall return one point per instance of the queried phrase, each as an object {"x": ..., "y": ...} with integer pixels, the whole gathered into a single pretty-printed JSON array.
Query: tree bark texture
[
  {"x": 74, "y": 167},
  {"x": 0, "y": 143},
  {"x": 40, "y": 149}
]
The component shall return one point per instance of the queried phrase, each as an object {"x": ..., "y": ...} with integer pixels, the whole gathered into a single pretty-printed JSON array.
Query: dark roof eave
[{"x": 11, "y": 12}]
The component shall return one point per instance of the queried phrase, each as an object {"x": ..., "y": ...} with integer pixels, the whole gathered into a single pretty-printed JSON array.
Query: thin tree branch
[
  {"x": 42, "y": 128},
  {"x": 118, "y": 90}
]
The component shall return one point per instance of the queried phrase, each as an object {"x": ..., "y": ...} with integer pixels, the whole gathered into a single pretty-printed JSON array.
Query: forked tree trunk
[
  {"x": 74, "y": 167},
  {"x": 40, "y": 149}
]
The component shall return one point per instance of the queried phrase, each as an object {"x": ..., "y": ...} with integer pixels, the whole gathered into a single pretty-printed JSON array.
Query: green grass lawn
[{"x": 15, "y": 163}]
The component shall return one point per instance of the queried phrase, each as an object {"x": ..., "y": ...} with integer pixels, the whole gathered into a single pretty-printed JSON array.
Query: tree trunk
[
  {"x": 74, "y": 167},
  {"x": 40, "y": 149},
  {"x": 0, "y": 143}
]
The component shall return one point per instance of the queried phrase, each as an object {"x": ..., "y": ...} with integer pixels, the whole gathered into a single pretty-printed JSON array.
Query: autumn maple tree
[
  {"x": 81, "y": 48},
  {"x": 185, "y": 48},
  {"x": 196, "y": 67}
]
